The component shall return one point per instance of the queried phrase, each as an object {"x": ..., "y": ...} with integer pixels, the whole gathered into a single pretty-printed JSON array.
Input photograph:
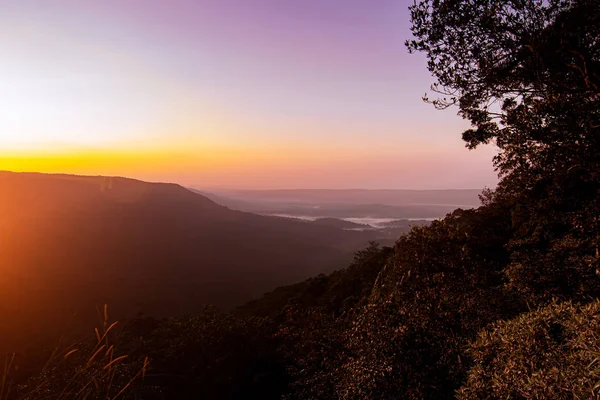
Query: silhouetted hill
[{"x": 71, "y": 242}]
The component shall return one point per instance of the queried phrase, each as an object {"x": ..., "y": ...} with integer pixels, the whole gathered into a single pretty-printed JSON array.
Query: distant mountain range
[
  {"x": 452, "y": 197},
  {"x": 354, "y": 203}
]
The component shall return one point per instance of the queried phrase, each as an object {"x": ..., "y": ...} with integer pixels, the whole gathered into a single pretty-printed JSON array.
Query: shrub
[{"x": 552, "y": 353}]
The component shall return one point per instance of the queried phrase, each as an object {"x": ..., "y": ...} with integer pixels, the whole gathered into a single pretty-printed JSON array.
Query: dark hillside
[
  {"x": 69, "y": 243},
  {"x": 416, "y": 321}
]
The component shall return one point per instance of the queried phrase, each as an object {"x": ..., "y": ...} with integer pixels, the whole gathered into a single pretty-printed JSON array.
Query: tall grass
[
  {"x": 5, "y": 383},
  {"x": 78, "y": 372}
]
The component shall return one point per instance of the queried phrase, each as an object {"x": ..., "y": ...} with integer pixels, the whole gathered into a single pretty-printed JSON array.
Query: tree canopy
[{"x": 525, "y": 73}]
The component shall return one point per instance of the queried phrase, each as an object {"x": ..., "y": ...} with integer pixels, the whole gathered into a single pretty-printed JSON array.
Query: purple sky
[{"x": 246, "y": 93}]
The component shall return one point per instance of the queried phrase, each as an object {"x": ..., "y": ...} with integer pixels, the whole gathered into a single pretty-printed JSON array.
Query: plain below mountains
[{"x": 69, "y": 243}]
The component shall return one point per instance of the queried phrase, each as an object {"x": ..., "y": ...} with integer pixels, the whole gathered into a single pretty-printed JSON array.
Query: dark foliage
[
  {"x": 526, "y": 74},
  {"x": 211, "y": 356}
]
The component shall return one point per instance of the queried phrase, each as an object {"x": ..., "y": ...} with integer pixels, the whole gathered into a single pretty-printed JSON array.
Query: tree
[{"x": 525, "y": 73}]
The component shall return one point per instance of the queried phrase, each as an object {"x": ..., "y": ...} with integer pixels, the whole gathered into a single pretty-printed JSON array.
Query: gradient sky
[{"x": 224, "y": 93}]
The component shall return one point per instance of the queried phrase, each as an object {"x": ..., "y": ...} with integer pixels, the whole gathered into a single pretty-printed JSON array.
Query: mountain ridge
[{"x": 71, "y": 242}]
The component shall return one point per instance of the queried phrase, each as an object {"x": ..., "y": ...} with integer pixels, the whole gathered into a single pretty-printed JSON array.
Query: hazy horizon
[
  {"x": 347, "y": 188},
  {"x": 254, "y": 94}
]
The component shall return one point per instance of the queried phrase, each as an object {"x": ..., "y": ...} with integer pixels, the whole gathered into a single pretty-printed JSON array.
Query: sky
[{"x": 227, "y": 94}]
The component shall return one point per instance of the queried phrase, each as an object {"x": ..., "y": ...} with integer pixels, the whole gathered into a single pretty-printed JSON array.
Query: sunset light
[{"x": 119, "y": 87}]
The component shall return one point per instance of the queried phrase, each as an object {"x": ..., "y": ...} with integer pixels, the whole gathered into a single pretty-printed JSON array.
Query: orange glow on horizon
[
  {"x": 253, "y": 167},
  {"x": 149, "y": 164},
  {"x": 99, "y": 161}
]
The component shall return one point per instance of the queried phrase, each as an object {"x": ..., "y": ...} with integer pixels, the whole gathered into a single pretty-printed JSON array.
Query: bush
[{"x": 552, "y": 353}]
